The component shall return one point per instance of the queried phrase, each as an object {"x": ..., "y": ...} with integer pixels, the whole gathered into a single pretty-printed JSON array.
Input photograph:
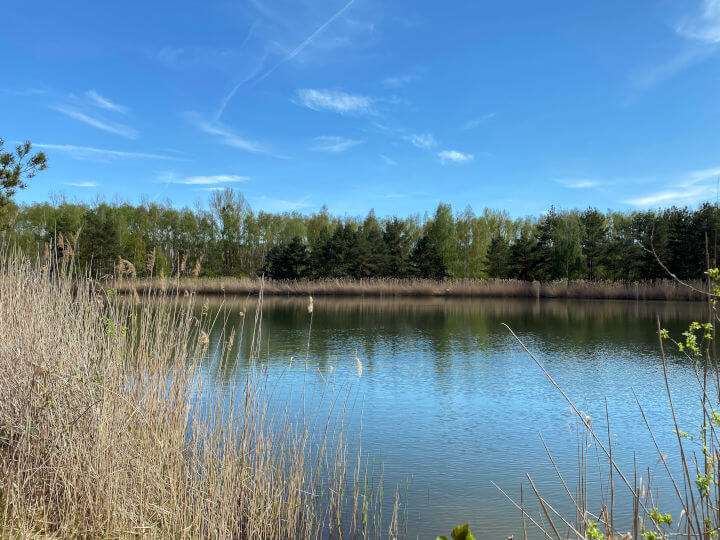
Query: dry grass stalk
[
  {"x": 150, "y": 264},
  {"x": 102, "y": 434},
  {"x": 198, "y": 266},
  {"x": 125, "y": 268},
  {"x": 183, "y": 263}
]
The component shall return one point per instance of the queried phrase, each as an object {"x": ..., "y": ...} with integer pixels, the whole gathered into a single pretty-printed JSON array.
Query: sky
[{"x": 363, "y": 104}]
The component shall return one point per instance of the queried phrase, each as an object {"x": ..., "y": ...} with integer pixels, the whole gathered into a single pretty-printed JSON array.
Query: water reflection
[{"x": 449, "y": 399}]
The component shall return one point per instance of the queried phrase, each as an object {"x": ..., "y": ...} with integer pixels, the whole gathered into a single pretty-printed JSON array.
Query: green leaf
[
  {"x": 462, "y": 533},
  {"x": 443, "y": 537}
]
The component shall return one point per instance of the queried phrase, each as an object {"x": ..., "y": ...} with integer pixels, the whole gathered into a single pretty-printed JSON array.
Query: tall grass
[
  {"x": 693, "y": 470},
  {"x": 110, "y": 427},
  {"x": 488, "y": 288}
]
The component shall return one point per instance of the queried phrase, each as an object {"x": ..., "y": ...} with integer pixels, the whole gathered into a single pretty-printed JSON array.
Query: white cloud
[
  {"x": 307, "y": 41},
  {"x": 81, "y": 184},
  {"x": 704, "y": 26},
  {"x": 700, "y": 176},
  {"x": 694, "y": 187},
  {"x": 105, "y": 103},
  {"x": 578, "y": 183},
  {"x": 210, "y": 180},
  {"x": 333, "y": 144},
  {"x": 117, "y": 129},
  {"x": 702, "y": 30},
  {"x": 85, "y": 152},
  {"x": 425, "y": 141},
  {"x": 229, "y": 138},
  {"x": 335, "y": 101},
  {"x": 387, "y": 160},
  {"x": 271, "y": 204},
  {"x": 475, "y": 122},
  {"x": 453, "y": 156},
  {"x": 685, "y": 196},
  {"x": 399, "y": 81}
]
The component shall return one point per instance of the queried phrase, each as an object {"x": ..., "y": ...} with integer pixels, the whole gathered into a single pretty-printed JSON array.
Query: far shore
[{"x": 466, "y": 288}]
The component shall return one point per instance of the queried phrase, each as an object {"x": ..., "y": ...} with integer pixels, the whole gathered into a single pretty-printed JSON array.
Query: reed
[
  {"x": 109, "y": 426},
  {"x": 471, "y": 288},
  {"x": 695, "y": 461}
]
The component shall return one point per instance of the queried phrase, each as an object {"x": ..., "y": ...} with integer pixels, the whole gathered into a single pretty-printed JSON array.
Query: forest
[{"x": 228, "y": 238}]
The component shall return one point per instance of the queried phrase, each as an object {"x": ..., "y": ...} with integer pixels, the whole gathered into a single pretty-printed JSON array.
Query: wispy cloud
[
  {"x": 574, "y": 183},
  {"x": 105, "y": 103},
  {"x": 475, "y": 122},
  {"x": 703, "y": 26},
  {"x": 307, "y": 41},
  {"x": 701, "y": 29},
  {"x": 327, "y": 143},
  {"x": 234, "y": 90},
  {"x": 211, "y": 180},
  {"x": 335, "y": 101},
  {"x": 398, "y": 81},
  {"x": 421, "y": 140},
  {"x": 117, "y": 129},
  {"x": 229, "y": 138},
  {"x": 691, "y": 188},
  {"x": 24, "y": 91},
  {"x": 271, "y": 204},
  {"x": 453, "y": 156},
  {"x": 81, "y": 184},
  {"x": 387, "y": 160},
  {"x": 687, "y": 196},
  {"x": 88, "y": 152}
]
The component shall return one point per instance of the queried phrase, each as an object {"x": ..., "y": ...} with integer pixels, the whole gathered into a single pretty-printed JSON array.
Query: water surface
[{"x": 446, "y": 400}]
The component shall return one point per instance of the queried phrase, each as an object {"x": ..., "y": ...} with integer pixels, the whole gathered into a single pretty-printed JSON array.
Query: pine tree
[
  {"x": 498, "y": 258},
  {"x": 427, "y": 261}
]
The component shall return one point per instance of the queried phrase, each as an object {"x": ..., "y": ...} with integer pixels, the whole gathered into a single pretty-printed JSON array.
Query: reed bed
[
  {"x": 470, "y": 288},
  {"x": 109, "y": 427}
]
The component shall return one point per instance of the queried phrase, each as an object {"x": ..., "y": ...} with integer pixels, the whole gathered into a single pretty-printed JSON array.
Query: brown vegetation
[
  {"x": 103, "y": 432},
  {"x": 488, "y": 288}
]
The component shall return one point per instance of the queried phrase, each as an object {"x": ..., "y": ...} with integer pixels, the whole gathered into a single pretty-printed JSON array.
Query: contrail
[
  {"x": 297, "y": 50},
  {"x": 292, "y": 54}
]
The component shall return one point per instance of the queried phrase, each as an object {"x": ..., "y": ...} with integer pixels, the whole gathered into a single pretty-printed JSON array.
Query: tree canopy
[{"x": 230, "y": 239}]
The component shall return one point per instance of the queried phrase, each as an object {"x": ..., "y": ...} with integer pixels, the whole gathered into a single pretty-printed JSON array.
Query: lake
[{"x": 446, "y": 401}]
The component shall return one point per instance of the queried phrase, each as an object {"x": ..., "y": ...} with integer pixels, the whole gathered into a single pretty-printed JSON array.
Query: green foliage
[
  {"x": 16, "y": 168},
  {"x": 593, "y": 533},
  {"x": 461, "y": 532},
  {"x": 230, "y": 239},
  {"x": 659, "y": 518}
]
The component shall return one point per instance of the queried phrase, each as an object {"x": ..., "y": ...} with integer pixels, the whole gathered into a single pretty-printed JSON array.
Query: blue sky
[{"x": 365, "y": 104}]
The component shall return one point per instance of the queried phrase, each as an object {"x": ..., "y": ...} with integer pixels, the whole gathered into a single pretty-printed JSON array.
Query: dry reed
[
  {"x": 109, "y": 427},
  {"x": 471, "y": 288}
]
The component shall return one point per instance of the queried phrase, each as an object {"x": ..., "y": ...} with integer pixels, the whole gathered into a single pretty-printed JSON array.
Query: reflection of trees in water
[{"x": 405, "y": 329}]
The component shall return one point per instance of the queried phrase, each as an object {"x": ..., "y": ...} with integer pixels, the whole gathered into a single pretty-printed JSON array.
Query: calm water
[{"x": 449, "y": 402}]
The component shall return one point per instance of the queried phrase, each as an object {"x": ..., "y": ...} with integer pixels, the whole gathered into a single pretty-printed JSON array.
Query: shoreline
[{"x": 466, "y": 288}]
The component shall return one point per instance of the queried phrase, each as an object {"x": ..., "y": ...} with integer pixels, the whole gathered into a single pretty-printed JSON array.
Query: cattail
[
  {"x": 310, "y": 304},
  {"x": 204, "y": 339},
  {"x": 150, "y": 262}
]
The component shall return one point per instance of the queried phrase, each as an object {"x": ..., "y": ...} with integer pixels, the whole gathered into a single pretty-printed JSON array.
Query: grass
[
  {"x": 695, "y": 460},
  {"x": 109, "y": 428},
  {"x": 489, "y": 288}
]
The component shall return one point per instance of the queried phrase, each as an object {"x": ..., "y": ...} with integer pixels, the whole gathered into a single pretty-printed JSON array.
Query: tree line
[{"x": 228, "y": 238}]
